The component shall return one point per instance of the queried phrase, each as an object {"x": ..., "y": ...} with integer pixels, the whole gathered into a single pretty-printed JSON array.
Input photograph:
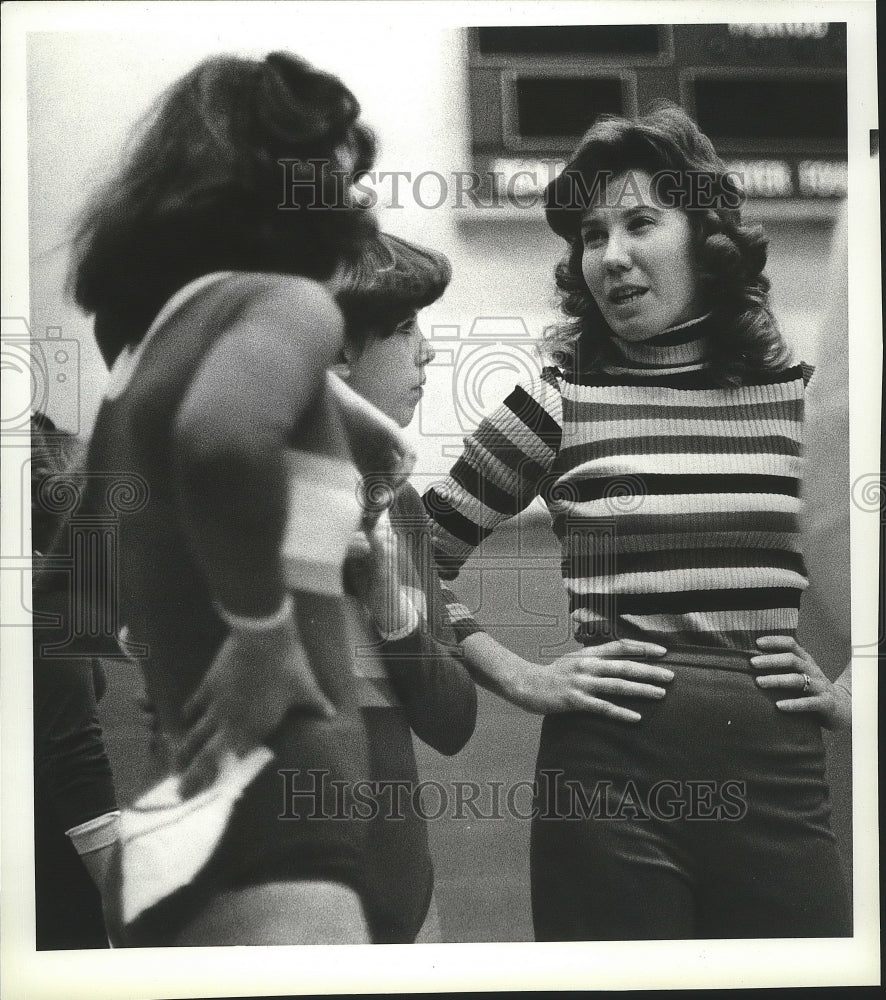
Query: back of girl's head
[
  {"x": 687, "y": 174},
  {"x": 386, "y": 283},
  {"x": 203, "y": 189}
]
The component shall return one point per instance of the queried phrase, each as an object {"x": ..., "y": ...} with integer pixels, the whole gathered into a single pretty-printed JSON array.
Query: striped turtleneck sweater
[{"x": 676, "y": 501}]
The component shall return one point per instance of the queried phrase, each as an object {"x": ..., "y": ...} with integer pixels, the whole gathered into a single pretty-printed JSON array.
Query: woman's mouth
[{"x": 625, "y": 294}]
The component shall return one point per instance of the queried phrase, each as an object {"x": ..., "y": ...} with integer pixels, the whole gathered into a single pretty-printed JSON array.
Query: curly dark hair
[
  {"x": 391, "y": 279},
  {"x": 203, "y": 189},
  {"x": 667, "y": 144}
]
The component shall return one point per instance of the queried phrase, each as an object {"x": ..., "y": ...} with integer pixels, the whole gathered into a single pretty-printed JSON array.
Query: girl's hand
[
  {"x": 784, "y": 664},
  {"x": 379, "y": 571},
  {"x": 583, "y": 680},
  {"x": 377, "y": 577},
  {"x": 255, "y": 679}
]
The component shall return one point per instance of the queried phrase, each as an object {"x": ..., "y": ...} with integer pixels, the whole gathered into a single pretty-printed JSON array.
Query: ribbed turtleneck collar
[{"x": 680, "y": 348}]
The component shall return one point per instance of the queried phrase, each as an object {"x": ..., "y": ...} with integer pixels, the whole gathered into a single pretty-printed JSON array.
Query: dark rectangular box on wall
[{"x": 772, "y": 97}]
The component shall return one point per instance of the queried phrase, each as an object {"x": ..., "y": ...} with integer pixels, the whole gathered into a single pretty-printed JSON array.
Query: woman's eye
[
  {"x": 593, "y": 237},
  {"x": 642, "y": 221}
]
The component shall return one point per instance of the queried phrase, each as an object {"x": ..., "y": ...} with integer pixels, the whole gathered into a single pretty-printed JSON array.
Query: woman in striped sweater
[{"x": 680, "y": 781}]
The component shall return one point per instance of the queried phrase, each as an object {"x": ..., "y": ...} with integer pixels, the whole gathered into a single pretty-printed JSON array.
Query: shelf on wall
[{"x": 812, "y": 210}]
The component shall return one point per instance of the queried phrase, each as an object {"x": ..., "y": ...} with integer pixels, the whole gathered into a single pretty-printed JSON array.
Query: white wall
[{"x": 86, "y": 89}]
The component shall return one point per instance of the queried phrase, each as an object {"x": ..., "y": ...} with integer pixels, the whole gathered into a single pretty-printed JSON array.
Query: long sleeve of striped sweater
[{"x": 505, "y": 465}]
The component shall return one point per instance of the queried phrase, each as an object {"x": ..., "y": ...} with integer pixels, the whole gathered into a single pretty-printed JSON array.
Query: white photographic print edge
[{"x": 328, "y": 34}]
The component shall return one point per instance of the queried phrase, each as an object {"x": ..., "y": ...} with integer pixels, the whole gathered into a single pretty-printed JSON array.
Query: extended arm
[{"x": 498, "y": 474}]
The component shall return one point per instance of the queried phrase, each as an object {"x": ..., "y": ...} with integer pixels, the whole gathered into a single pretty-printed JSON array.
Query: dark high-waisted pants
[{"x": 709, "y": 818}]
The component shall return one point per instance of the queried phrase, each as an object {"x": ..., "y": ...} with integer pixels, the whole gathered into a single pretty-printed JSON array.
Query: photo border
[{"x": 488, "y": 967}]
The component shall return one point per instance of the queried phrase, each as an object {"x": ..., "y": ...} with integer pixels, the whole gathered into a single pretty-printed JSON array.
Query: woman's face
[
  {"x": 390, "y": 371},
  {"x": 638, "y": 260}
]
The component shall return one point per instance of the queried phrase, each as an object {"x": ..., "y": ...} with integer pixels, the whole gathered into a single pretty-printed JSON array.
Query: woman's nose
[{"x": 616, "y": 256}]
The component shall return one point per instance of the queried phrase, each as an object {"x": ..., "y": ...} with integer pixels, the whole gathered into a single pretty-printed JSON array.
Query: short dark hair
[
  {"x": 390, "y": 279},
  {"x": 731, "y": 257},
  {"x": 202, "y": 186}
]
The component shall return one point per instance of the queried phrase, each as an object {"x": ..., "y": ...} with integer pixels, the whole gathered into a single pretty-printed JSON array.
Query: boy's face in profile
[{"x": 389, "y": 371}]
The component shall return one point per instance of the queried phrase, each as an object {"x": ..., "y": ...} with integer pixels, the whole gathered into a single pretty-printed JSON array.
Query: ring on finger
[{"x": 805, "y": 683}]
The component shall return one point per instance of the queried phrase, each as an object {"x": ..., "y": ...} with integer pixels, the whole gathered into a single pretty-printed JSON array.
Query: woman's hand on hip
[
  {"x": 783, "y": 664},
  {"x": 585, "y": 680}
]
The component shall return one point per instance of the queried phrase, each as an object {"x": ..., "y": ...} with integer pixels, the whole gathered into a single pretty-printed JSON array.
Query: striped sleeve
[{"x": 499, "y": 472}]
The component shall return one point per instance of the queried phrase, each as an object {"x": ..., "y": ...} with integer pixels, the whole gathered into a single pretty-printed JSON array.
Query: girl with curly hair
[
  {"x": 680, "y": 784},
  {"x": 203, "y": 261}
]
